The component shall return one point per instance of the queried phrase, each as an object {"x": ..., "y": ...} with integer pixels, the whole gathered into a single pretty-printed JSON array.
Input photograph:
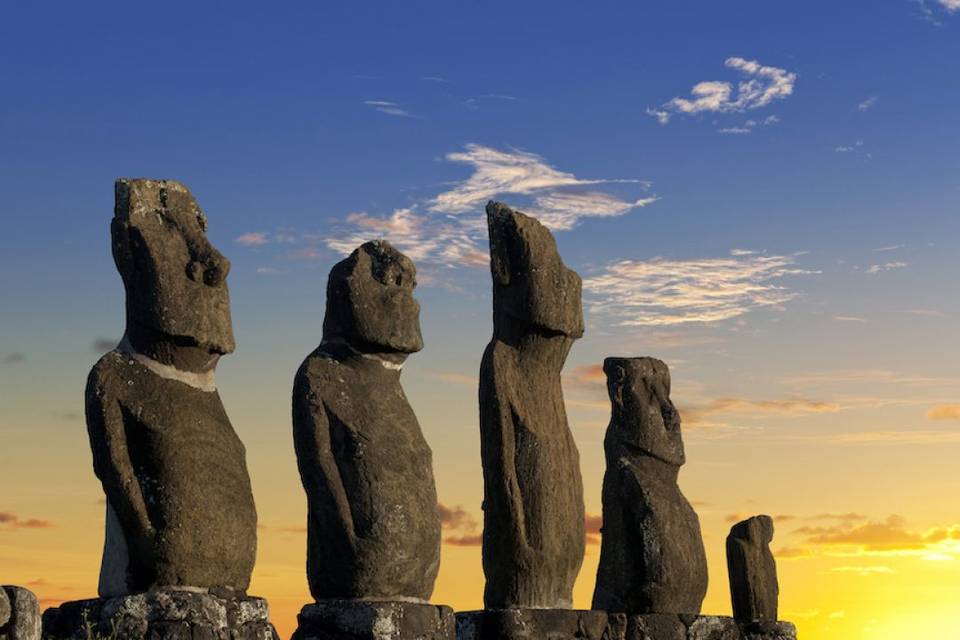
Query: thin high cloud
[
  {"x": 389, "y": 108},
  {"x": 449, "y": 229},
  {"x": 661, "y": 292},
  {"x": 762, "y": 86},
  {"x": 887, "y": 266},
  {"x": 868, "y": 104},
  {"x": 10, "y": 520}
]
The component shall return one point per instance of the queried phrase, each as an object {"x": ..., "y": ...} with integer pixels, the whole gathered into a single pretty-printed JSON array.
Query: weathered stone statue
[
  {"x": 19, "y": 614},
  {"x": 533, "y": 535},
  {"x": 752, "y": 570},
  {"x": 180, "y": 512},
  {"x": 373, "y": 529},
  {"x": 652, "y": 558}
]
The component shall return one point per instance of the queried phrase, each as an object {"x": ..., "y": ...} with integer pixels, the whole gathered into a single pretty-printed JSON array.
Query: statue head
[
  {"x": 370, "y": 303},
  {"x": 644, "y": 416},
  {"x": 533, "y": 291},
  {"x": 175, "y": 280},
  {"x": 757, "y": 530}
]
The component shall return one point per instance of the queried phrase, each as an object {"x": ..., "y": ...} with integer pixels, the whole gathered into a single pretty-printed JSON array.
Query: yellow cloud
[{"x": 944, "y": 412}]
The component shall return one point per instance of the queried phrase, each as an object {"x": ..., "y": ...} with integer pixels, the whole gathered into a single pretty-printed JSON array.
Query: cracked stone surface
[
  {"x": 375, "y": 620},
  {"x": 652, "y": 558},
  {"x": 19, "y": 614},
  {"x": 533, "y": 534},
  {"x": 164, "y": 614},
  {"x": 373, "y": 528},
  {"x": 180, "y": 510}
]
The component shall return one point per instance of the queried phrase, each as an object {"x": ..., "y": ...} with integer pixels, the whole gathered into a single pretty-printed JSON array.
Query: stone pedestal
[
  {"x": 161, "y": 615},
  {"x": 573, "y": 624},
  {"x": 374, "y": 620}
]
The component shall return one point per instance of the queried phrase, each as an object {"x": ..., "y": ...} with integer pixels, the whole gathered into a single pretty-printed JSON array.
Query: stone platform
[
  {"x": 573, "y": 624},
  {"x": 375, "y": 620},
  {"x": 165, "y": 614}
]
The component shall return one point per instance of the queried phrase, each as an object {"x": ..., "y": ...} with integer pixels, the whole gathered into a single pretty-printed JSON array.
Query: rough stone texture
[
  {"x": 161, "y": 615},
  {"x": 652, "y": 558},
  {"x": 373, "y": 528},
  {"x": 569, "y": 624},
  {"x": 752, "y": 570},
  {"x": 374, "y": 620},
  {"x": 180, "y": 509},
  {"x": 533, "y": 535},
  {"x": 19, "y": 614}
]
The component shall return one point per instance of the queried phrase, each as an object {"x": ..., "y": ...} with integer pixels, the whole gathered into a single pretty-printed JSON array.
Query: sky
[{"x": 763, "y": 195}]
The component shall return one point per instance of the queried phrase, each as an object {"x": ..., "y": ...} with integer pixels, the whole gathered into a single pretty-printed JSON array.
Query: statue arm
[{"x": 111, "y": 460}]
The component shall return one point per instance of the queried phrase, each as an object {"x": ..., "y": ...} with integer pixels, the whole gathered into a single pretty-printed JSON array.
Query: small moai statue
[
  {"x": 533, "y": 534},
  {"x": 19, "y": 614},
  {"x": 652, "y": 558},
  {"x": 373, "y": 527},
  {"x": 752, "y": 570},
  {"x": 180, "y": 516}
]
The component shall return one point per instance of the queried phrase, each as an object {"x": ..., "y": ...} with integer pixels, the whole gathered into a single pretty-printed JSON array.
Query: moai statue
[
  {"x": 533, "y": 533},
  {"x": 180, "y": 515},
  {"x": 752, "y": 570},
  {"x": 373, "y": 528},
  {"x": 19, "y": 614},
  {"x": 652, "y": 558}
]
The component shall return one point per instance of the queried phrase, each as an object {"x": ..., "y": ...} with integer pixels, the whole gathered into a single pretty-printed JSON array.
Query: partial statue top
[
  {"x": 180, "y": 510},
  {"x": 533, "y": 534},
  {"x": 652, "y": 558},
  {"x": 373, "y": 528},
  {"x": 752, "y": 570}
]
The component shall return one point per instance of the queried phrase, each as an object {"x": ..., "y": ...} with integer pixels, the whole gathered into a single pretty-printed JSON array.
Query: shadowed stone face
[
  {"x": 175, "y": 280},
  {"x": 180, "y": 509},
  {"x": 652, "y": 558},
  {"x": 533, "y": 535},
  {"x": 373, "y": 529},
  {"x": 374, "y": 306},
  {"x": 752, "y": 570}
]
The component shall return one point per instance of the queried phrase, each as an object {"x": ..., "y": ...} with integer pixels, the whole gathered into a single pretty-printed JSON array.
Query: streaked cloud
[
  {"x": 951, "y": 6},
  {"x": 763, "y": 85},
  {"x": 864, "y": 570},
  {"x": 705, "y": 415},
  {"x": 887, "y": 266},
  {"x": 867, "y": 104},
  {"x": 850, "y": 319},
  {"x": 456, "y": 517},
  {"x": 12, "y": 358},
  {"x": 944, "y": 412},
  {"x": 389, "y": 108},
  {"x": 13, "y": 521},
  {"x": 661, "y": 292},
  {"x": 253, "y": 239}
]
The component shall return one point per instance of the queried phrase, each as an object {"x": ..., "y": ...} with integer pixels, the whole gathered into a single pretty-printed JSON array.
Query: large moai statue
[
  {"x": 752, "y": 570},
  {"x": 373, "y": 528},
  {"x": 180, "y": 515},
  {"x": 19, "y": 614},
  {"x": 533, "y": 533},
  {"x": 652, "y": 558}
]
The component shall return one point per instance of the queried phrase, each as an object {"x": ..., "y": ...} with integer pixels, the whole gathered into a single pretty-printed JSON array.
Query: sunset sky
[{"x": 764, "y": 195}]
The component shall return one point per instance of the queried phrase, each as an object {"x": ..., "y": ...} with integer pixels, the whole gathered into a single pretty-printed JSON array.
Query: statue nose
[{"x": 212, "y": 269}]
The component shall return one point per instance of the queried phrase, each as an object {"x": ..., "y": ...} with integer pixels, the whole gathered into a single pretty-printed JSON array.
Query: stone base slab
[
  {"x": 165, "y": 614},
  {"x": 576, "y": 624},
  {"x": 374, "y": 620}
]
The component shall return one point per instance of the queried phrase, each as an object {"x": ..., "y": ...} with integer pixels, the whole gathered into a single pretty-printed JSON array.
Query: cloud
[
  {"x": 12, "y": 358},
  {"x": 944, "y": 412},
  {"x": 887, "y": 266},
  {"x": 593, "y": 523},
  {"x": 888, "y": 537},
  {"x": 469, "y": 540},
  {"x": 704, "y": 415},
  {"x": 735, "y": 130},
  {"x": 13, "y": 521},
  {"x": 850, "y": 319},
  {"x": 864, "y": 571},
  {"x": 102, "y": 345},
  {"x": 763, "y": 85},
  {"x": 952, "y": 6},
  {"x": 867, "y": 104},
  {"x": 389, "y": 108},
  {"x": 661, "y": 292},
  {"x": 456, "y": 518},
  {"x": 253, "y": 239},
  {"x": 450, "y": 230}
]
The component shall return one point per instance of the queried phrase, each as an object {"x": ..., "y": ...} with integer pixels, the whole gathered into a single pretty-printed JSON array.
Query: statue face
[
  {"x": 174, "y": 278},
  {"x": 370, "y": 303},
  {"x": 531, "y": 283},
  {"x": 639, "y": 391}
]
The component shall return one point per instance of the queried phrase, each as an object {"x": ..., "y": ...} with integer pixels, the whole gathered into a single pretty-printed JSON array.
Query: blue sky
[{"x": 807, "y": 168}]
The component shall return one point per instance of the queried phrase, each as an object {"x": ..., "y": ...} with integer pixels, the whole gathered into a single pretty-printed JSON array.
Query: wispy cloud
[
  {"x": 389, "y": 108},
  {"x": 944, "y": 412},
  {"x": 705, "y": 416},
  {"x": 952, "y": 6},
  {"x": 662, "y": 292},
  {"x": 253, "y": 239},
  {"x": 750, "y": 125},
  {"x": 763, "y": 85},
  {"x": 102, "y": 345},
  {"x": 12, "y": 358},
  {"x": 850, "y": 319},
  {"x": 867, "y": 104},
  {"x": 13, "y": 521},
  {"x": 887, "y": 266}
]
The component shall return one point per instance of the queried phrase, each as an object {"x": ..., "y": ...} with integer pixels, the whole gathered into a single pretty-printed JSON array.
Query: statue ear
[
  {"x": 120, "y": 244},
  {"x": 616, "y": 377},
  {"x": 499, "y": 260}
]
